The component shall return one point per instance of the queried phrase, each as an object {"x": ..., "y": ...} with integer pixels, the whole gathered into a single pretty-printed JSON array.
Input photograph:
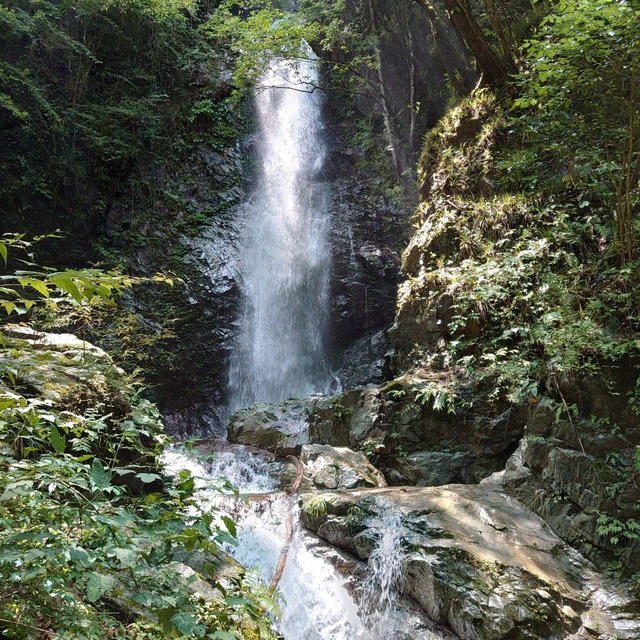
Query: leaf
[
  {"x": 7, "y": 401},
  {"x": 165, "y": 617},
  {"x": 79, "y": 555},
  {"x": 59, "y": 442},
  {"x": 187, "y": 624},
  {"x": 100, "y": 476},
  {"x": 148, "y": 477},
  {"x": 189, "y": 538},
  {"x": 66, "y": 284},
  {"x": 15, "y": 489},
  {"x": 39, "y": 286},
  {"x": 231, "y": 525},
  {"x": 8, "y": 306},
  {"x": 3, "y": 253},
  {"x": 98, "y": 584},
  {"x": 125, "y": 555}
]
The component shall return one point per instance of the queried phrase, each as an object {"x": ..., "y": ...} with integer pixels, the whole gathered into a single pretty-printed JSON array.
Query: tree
[
  {"x": 493, "y": 68},
  {"x": 25, "y": 288},
  {"x": 582, "y": 86}
]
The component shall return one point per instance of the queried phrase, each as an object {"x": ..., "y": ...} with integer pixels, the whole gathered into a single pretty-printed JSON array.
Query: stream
[{"x": 319, "y": 602}]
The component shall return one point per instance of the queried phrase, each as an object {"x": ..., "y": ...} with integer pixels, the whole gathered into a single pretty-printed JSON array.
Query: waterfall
[{"x": 280, "y": 351}]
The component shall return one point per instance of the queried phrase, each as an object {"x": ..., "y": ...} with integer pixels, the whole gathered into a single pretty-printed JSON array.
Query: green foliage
[
  {"x": 91, "y": 529},
  {"x": 258, "y": 32},
  {"x": 315, "y": 506},
  {"x": 24, "y": 288},
  {"x": 581, "y": 96},
  {"x": 357, "y": 515},
  {"x": 525, "y": 266},
  {"x": 440, "y": 397},
  {"x": 618, "y": 531},
  {"x": 340, "y": 412},
  {"x": 88, "y": 91}
]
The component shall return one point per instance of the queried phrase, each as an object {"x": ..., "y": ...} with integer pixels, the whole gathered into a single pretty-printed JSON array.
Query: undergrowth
[{"x": 94, "y": 537}]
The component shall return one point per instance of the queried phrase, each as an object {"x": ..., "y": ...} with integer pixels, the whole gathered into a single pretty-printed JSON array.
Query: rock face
[
  {"x": 366, "y": 361},
  {"x": 327, "y": 467},
  {"x": 481, "y": 563},
  {"x": 365, "y": 232},
  {"x": 563, "y": 485},
  {"x": 413, "y": 443}
]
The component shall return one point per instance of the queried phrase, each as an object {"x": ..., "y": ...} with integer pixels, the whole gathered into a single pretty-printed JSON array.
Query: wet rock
[
  {"x": 481, "y": 563},
  {"x": 347, "y": 419},
  {"x": 327, "y": 467},
  {"x": 279, "y": 428},
  {"x": 413, "y": 442},
  {"x": 365, "y": 267},
  {"x": 366, "y": 361},
  {"x": 433, "y": 468}
]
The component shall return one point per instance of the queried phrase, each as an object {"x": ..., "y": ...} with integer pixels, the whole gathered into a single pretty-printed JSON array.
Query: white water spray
[
  {"x": 280, "y": 351},
  {"x": 380, "y": 592},
  {"x": 317, "y": 604}
]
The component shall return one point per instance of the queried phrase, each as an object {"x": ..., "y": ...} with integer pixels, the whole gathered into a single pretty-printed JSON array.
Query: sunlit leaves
[{"x": 50, "y": 287}]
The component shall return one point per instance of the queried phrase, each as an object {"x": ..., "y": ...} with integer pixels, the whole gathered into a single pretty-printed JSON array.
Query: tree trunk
[
  {"x": 492, "y": 67},
  {"x": 460, "y": 73},
  {"x": 393, "y": 140}
]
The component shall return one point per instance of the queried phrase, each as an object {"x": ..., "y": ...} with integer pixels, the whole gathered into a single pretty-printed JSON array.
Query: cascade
[
  {"x": 281, "y": 348},
  {"x": 318, "y": 602},
  {"x": 385, "y": 566}
]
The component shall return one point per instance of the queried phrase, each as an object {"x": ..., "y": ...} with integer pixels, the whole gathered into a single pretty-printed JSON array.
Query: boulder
[
  {"x": 410, "y": 440},
  {"x": 279, "y": 428},
  {"x": 479, "y": 562},
  {"x": 327, "y": 467},
  {"x": 563, "y": 486}
]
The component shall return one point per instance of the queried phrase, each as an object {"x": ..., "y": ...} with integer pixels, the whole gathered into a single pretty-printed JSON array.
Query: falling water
[
  {"x": 280, "y": 351},
  {"x": 380, "y": 593},
  {"x": 318, "y": 605}
]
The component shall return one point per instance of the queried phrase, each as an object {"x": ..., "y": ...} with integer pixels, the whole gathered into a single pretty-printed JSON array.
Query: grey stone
[{"x": 327, "y": 467}]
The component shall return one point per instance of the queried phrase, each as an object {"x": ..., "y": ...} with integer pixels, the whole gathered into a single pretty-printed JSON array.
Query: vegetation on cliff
[{"x": 522, "y": 277}]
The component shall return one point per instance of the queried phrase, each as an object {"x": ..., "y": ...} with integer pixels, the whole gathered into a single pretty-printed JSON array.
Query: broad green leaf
[
  {"x": 39, "y": 286},
  {"x": 187, "y": 624},
  {"x": 97, "y": 585},
  {"x": 64, "y": 282},
  {"x": 3, "y": 253},
  {"x": 100, "y": 476},
  {"x": 79, "y": 555},
  {"x": 58, "y": 441},
  {"x": 15, "y": 489},
  {"x": 148, "y": 477},
  {"x": 7, "y": 402},
  {"x": 9, "y": 306},
  {"x": 231, "y": 525}
]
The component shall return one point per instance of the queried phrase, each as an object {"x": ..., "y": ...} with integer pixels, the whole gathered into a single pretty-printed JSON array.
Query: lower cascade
[{"x": 318, "y": 601}]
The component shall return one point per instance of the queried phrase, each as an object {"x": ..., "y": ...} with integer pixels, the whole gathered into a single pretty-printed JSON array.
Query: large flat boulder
[{"x": 479, "y": 562}]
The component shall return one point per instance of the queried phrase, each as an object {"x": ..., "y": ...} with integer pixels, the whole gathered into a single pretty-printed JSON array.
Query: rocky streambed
[{"x": 476, "y": 562}]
